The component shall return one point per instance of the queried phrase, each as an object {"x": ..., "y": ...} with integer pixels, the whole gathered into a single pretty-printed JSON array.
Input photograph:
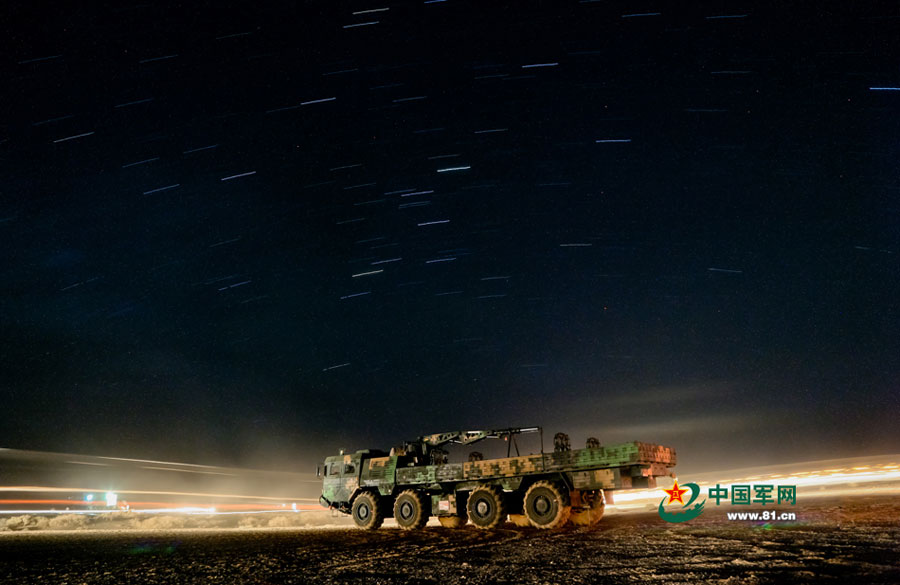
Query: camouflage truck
[{"x": 415, "y": 481}]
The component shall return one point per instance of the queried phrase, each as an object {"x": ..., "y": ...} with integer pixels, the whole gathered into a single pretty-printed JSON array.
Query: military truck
[{"x": 415, "y": 481}]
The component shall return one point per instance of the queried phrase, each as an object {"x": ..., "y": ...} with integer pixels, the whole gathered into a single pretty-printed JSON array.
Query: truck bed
[{"x": 624, "y": 465}]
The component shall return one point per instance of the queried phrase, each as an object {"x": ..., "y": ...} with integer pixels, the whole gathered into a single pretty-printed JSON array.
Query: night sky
[{"x": 253, "y": 234}]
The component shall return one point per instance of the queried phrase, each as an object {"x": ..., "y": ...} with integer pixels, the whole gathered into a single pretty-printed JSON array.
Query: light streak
[
  {"x": 344, "y": 365},
  {"x": 66, "y": 139},
  {"x": 140, "y": 162},
  {"x": 201, "y": 148},
  {"x": 190, "y": 510},
  {"x": 247, "y": 174},
  {"x": 39, "y": 59},
  {"x": 183, "y": 470},
  {"x": 134, "y": 103},
  {"x": 88, "y": 463},
  {"x": 47, "y": 489},
  {"x": 152, "y": 59},
  {"x": 231, "y": 36},
  {"x": 166, "y": 188},
  {"x": 858, "y": 476},
  {"x": 319, "y": 101},
  {"x": 157, "y": 462}
]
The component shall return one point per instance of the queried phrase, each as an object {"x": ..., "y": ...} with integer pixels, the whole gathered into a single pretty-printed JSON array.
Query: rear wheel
[
  {"x": 368, "y": 511},
  {"x": 547, "y": 505},
  {"x": 486, "y": 507},
  {"x": 410, "y": 510},
  {"x": 591, "y": 510},
  {"x": 452, "y": 521}
]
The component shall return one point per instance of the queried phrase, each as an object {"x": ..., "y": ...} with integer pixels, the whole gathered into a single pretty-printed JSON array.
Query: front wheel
[
  {"x": 367, "y": 511},
  {"x": 410, "y": 511},
  {"x": 486, "y": 507}
]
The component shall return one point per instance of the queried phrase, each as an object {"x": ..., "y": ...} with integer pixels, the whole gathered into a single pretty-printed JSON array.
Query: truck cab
[{"x": 341, "y": 477}]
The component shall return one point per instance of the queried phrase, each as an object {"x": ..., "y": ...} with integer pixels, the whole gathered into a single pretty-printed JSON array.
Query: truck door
[
  {"x": 332, "y": 486},
  {"x": 349, "y": 471}
]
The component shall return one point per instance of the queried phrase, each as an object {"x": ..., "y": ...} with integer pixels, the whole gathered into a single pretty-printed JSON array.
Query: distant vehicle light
[
  {"x": 89, "y": 498},
  {"x": 111, "y": 499}
]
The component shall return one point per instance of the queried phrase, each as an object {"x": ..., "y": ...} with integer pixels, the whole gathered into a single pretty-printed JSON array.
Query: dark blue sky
[{"x": 252, "y": 235}]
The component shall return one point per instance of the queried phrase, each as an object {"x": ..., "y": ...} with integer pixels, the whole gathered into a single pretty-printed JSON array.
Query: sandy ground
[{"x": 840, "y": 540}]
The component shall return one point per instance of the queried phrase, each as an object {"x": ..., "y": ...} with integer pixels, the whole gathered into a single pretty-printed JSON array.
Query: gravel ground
[{"x": 849, "y": 540}]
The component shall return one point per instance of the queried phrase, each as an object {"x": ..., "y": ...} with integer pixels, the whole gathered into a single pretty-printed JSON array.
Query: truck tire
[
  {"x": 453, "y": 521},
  {"x": 591, "y": 511},
  {"x": 486, "y": 507},
  {"x": 410, "y": 510},
  {"x": 368, "y": 511},
  {"x": 547, "y": 505}
]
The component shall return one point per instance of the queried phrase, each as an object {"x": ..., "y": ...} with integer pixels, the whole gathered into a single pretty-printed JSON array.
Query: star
[{"x": 675, "y": 494}]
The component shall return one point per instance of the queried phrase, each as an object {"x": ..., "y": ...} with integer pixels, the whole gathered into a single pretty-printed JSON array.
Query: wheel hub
[
  {"x": 362, "y": 512},
  {"x": 483, "y": 508},
  {"x": 542, "y": 506},
  {"x": 406, "y": 510}
]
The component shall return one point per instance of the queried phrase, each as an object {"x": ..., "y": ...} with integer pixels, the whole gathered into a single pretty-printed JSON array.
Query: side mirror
[{"x": 318, "y": 471}]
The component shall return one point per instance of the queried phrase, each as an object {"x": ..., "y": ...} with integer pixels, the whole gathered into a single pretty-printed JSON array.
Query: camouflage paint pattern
[
  {"x": 613, "y": 467},
  {"x": 379, "y": 474}
]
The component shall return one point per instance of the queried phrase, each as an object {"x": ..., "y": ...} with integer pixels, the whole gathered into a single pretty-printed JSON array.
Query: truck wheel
[
  {"x": 452, "y": 521},
  {"x": 367, "y": 511},
  {"x": 410, "y": 511},
  {"x": 591, "y": 510},
  {"x": 547, "y": 505},
  {"x": 486, "y": 507}
]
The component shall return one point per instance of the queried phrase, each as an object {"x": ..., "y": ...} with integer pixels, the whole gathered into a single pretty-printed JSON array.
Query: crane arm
[{"x": 469, "y": 437}]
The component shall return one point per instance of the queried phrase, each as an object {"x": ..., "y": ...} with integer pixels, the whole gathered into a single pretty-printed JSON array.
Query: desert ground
[{"x": 840, "y": 540}]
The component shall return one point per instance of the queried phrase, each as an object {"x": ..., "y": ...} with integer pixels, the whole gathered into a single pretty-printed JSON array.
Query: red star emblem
[{"x": 675, "y": 494}]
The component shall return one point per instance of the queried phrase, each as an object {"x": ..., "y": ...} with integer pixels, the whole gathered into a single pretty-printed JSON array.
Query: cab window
[
  {"x": 348, "y": 468},
  {"x": 334, "y": 469}
]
